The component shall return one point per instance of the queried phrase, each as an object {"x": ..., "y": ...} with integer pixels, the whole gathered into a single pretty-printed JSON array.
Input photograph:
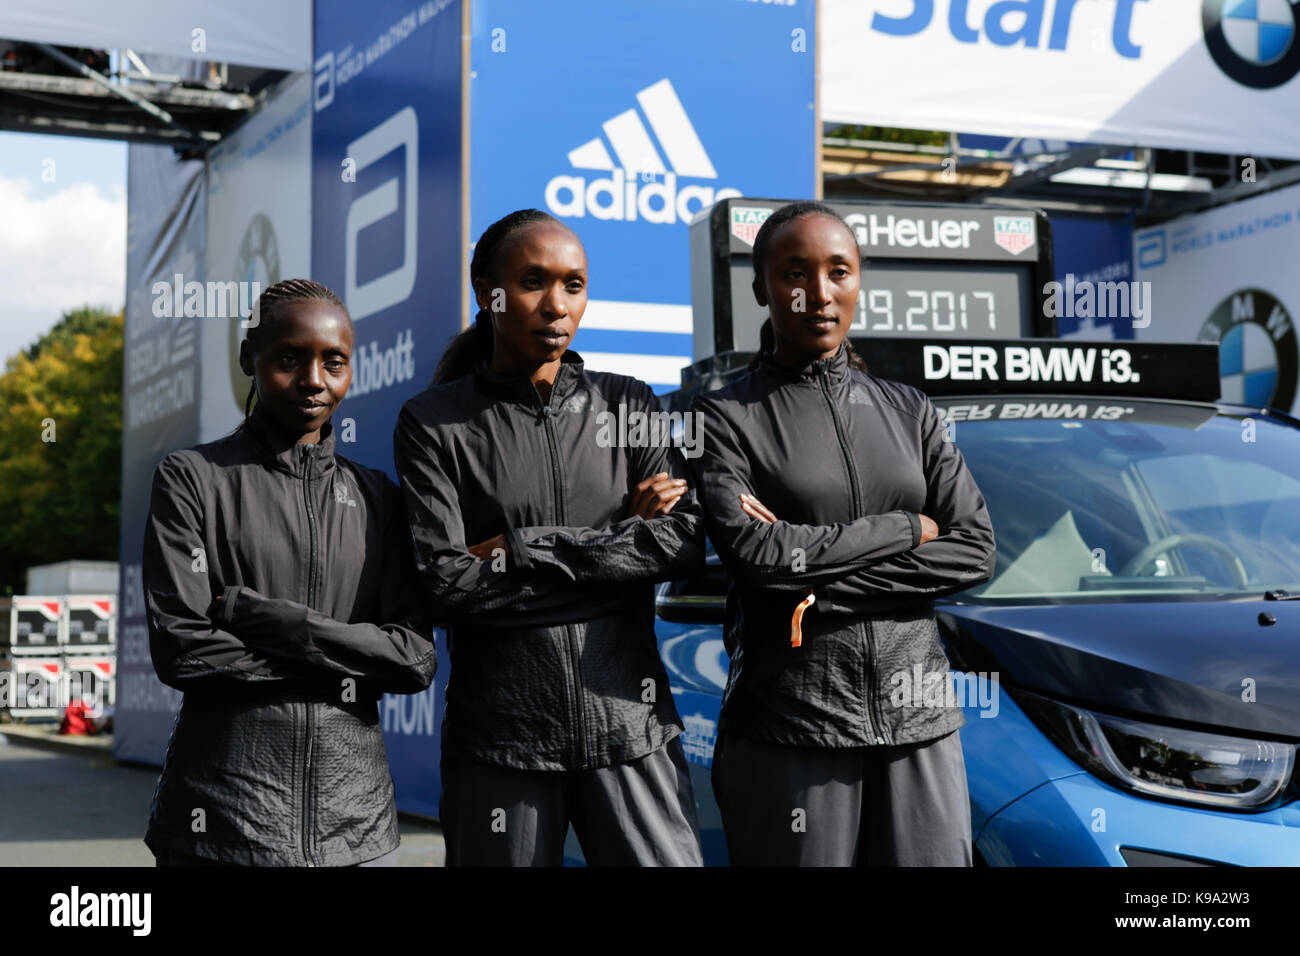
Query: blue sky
[{"x": 62, "y": 231}]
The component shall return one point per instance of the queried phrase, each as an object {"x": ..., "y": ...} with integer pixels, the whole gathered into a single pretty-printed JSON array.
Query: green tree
[
  {"x": 890, "y": 134},
  {"x": 61, "y": 435}
]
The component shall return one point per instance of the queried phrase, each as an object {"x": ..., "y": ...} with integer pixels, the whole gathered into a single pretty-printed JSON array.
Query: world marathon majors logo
[
  {"x": 1258, "y": 350},
  {"x": 1253, "y": 41}
]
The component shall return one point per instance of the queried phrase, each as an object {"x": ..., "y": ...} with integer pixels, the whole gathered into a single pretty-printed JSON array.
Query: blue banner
[
  {"x": 1092, "y": 250},
  {"x": 412, "y": 737},
  {"x": 386, "y": 198},
  {"x": 386, "y": 214},
  {"x": 624, "y": 120}
]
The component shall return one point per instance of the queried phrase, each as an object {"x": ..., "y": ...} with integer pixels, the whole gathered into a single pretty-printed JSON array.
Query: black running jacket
[
  {"x": 845, "y": 461},
  {"x": 554, "y": 662},
  {"x": 277, "y": 754}
]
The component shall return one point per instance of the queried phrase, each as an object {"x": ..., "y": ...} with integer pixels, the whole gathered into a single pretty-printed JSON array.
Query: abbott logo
[
  {"x": 1152, "y": 249},
  {"x": 633, "y": 189},
  {"x": 398, "y": 131}
]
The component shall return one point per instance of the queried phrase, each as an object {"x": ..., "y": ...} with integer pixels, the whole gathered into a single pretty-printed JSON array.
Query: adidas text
[{"x": 617, "y": 196}]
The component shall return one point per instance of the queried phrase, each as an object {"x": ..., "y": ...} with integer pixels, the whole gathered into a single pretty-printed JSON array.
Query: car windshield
[{"x": 1094, "y": 501}]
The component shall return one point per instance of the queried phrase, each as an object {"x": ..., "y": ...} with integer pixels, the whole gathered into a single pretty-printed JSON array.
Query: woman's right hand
[{"x": 929, "y": 530}]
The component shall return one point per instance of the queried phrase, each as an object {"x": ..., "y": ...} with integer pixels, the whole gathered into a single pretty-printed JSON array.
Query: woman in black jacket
[
  {"x": 540, "y": 526},
  {"x": 281, "y": 599},
  {"x": 841, "y": 511}
]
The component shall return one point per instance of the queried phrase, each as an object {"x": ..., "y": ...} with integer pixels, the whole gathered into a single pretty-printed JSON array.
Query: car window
[{"x": 1078, "y": 506}]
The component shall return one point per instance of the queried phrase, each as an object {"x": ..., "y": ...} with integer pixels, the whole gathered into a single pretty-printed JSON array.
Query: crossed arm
[
  {"x": 851, "y": 564},
  {"x": 242, "y": 641}
]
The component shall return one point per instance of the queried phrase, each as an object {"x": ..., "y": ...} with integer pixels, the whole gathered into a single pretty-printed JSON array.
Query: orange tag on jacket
[{"x": 796, "y": 622}]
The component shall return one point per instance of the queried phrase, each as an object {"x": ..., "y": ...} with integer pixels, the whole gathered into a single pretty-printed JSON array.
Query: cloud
[{"x": 58, "y": 251}]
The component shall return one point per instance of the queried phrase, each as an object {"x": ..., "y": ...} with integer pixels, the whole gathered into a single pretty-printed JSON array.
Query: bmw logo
[
  {"x": 1254, "y": 42},
  {"x": 1258, "y": 351}
]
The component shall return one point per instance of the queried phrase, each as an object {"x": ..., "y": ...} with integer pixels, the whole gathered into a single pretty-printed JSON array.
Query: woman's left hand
[
  {"x": 756, "y": 509},
  {"x": 484, "y": 550},
  {"x": 656, "y": 495}
]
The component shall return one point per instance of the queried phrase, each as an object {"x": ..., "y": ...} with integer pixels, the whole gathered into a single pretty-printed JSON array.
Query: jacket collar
[
  {"x": 517, "y": 384},
  {"x": 282, "y": 451},
  {"x": 835, "y": 368}
]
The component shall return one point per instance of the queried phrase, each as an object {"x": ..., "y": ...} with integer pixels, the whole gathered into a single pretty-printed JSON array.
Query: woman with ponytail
[
  {"x": 539, "y": 535},
  {"x": 841, "y": 511},
  {"x": 282, "y": 601}
]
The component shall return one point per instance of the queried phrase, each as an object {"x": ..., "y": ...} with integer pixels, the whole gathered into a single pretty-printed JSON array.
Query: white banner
[
  {"x": 246, "y": 32},
  {"x": 259, "y": 232},
  {"x": 1229, "y": 276},
  {"x": 1212, "y": 75}
]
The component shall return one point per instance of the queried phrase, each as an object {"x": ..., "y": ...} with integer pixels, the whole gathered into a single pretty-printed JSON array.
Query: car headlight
[{"x": 1166, "y": 762}]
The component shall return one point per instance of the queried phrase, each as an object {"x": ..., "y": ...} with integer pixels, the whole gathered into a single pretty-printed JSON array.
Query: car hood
[{"x": 1207, "y": 664}]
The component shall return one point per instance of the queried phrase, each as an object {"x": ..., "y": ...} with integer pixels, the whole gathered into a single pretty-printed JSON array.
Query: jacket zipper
[
  {"x": 844, "y": 444},
  {"x": 871, "y": 701},
  {"x": 548, "y": 421},
  {"x": 308, "y": 457},
  {"x": 306, "y": 791}
]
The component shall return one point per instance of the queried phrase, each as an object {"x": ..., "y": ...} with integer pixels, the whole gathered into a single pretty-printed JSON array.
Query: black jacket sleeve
[
  {"x": 453, "y": 581},
  {"x": 665, "y": 547},
  {"x": 961, "y": 556},
  {"x": 396, "y": 656},
  {"x": 783, "y": 555},
  {"x": 189, "y": 651}
]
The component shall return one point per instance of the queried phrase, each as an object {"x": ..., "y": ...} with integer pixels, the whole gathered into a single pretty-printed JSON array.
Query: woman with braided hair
[
  {"x": 841, "y": 511},
  {"x": 539, "y": 537},
  {"x": 282, "y": 601}
]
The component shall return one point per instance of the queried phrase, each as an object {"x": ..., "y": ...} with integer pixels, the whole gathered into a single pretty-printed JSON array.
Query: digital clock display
[
  {"x": 900, "y": 299},
  {"x": 929, "y": 271}
]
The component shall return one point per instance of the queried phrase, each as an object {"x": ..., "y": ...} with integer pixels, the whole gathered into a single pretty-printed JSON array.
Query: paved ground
[{"x": 66, "y": 802}]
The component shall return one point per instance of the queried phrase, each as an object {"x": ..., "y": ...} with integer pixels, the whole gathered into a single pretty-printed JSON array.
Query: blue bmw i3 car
[{"x": 1130, "y": 675}]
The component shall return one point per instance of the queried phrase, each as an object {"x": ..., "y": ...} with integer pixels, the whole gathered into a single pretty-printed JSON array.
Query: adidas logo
[
  {"x": 342, "y": 495},
  {"x": 634, "y": 189},
  {"x": 859, "y": 396}
]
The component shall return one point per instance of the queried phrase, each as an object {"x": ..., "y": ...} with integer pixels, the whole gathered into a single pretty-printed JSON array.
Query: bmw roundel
[
  {"x": 1254, "y": 42},
  {"x": 1258, "y": 352}
]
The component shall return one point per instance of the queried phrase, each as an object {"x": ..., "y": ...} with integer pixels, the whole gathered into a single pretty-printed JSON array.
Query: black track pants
[
  {"x": 639, "y": 813},
  {"x": 904, "y": 805}
]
